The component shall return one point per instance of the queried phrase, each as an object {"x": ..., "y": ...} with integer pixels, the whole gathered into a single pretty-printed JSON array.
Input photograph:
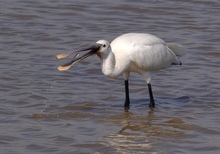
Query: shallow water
[{"x": 81, "y": 111}]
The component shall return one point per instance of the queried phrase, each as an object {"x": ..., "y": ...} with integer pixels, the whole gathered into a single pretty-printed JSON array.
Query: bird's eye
[{"x": 104, "y": 45}]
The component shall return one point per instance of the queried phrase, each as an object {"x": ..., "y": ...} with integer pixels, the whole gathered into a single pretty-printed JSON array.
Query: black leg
[
  {"x": 152, "y": 103},
  {"x": 127, "y": 99}
]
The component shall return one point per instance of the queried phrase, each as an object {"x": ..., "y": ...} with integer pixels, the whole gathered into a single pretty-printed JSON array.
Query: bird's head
[
  {"x": 104, "y": 46},
  {"x": 100, "y": 48}
]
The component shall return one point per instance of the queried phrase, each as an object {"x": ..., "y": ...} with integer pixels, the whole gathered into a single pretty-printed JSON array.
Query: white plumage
[{"x": 133, "y": 52}]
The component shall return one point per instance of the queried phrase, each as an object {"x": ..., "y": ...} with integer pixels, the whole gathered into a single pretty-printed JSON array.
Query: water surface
[{"x": 81, "y": 111}]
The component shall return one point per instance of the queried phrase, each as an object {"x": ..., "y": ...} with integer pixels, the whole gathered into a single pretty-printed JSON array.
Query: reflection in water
[
  {"x": 132, "y": 134},
  {"x": 138, "y": 131}
]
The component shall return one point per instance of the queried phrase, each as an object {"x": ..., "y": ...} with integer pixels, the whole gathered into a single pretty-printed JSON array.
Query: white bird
[{"x": 132, "y": 52}]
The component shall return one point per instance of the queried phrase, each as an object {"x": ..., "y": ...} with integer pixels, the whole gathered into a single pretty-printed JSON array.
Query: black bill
[{"x": 93, "y": 50}]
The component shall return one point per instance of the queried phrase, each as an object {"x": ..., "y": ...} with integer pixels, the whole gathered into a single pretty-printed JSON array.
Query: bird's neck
[{"x": 109, "y": 65}]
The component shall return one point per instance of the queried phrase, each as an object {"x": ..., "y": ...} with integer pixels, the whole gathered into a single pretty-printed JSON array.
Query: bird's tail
[{"x": 178, "y": 49}]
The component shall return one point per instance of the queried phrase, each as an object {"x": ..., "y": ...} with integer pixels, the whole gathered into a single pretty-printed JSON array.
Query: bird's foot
[
  {"x": 127, "y": 105},
  {"x": 152, "y": 104}
]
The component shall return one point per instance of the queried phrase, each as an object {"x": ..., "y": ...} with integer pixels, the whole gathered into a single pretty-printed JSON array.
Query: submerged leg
[
  {"x": 127, "y": 99},
  {"x": 152, "y": 103}
]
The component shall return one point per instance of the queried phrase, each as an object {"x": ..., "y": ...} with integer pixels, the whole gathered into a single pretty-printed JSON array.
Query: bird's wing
[{"x": 152, "y": 57}]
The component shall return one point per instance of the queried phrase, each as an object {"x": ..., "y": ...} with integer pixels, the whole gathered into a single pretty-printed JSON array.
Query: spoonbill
[{"x": 132, "y": 52}]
